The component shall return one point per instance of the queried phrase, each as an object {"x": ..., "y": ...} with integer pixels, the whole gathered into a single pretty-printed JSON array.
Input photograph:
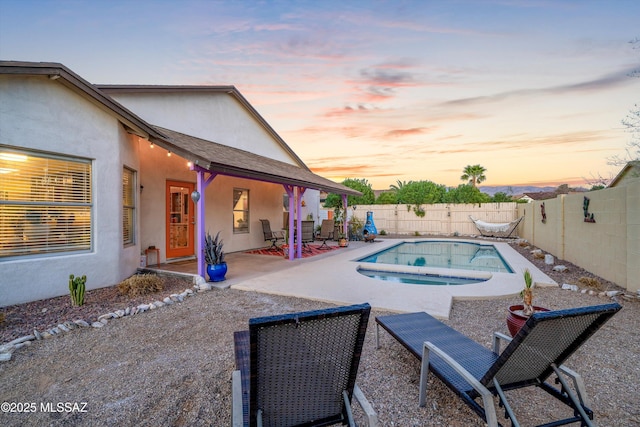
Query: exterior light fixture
[
  {"x": 168, "y": 153},
  {"x": 151, "y": 145}
]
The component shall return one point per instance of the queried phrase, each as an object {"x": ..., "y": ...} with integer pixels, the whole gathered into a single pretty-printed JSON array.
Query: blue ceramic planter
[{"x": 217, "y": 272}]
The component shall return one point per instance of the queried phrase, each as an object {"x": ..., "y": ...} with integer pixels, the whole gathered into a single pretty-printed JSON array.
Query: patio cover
[{"x": 225, "y": 160}]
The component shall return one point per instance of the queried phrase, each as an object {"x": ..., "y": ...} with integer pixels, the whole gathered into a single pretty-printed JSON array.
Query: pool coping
[{"x": 335, "y": 279}]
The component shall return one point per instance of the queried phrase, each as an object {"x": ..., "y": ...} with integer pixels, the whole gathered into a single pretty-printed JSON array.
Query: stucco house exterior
[
  {"x": 629, "y": 172},
  {"x": 91, "y": 176}
]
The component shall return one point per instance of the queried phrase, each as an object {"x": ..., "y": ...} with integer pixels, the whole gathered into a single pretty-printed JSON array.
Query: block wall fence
[{"x": 608, "y": 247}]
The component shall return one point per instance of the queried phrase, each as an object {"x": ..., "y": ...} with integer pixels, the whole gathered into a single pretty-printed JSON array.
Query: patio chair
[
  {"x": 326, "y": 232},
  {"x": 300, "y": 369},
  {"x": 272, "y": 236},
  {"x": 307, "y": 234},
  {"x": 473, "y": 371}
]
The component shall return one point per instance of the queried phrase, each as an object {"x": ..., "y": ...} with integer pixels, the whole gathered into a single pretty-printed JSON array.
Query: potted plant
[
  {"x": 518, "y": 314},
  {"x": 340, "y": 216},
  {"x": 214, "y": 257}
]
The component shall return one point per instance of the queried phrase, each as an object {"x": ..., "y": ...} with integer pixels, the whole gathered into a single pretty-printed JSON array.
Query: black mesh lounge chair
[
  {"x": 272, "y": 236},
  {"x": 473, "y": 371},
  {"x": 300, "y": 369},
  {"x": 326, "y": 232}
]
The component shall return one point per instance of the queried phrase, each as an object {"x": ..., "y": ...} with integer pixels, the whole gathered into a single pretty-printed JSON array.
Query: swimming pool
[
  {"x": 454, "y": 255},
  {"x": 419, "y": 279}
]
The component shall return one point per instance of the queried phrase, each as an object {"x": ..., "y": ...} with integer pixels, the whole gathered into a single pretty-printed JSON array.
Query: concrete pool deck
[{"x": 334, "y": 278}]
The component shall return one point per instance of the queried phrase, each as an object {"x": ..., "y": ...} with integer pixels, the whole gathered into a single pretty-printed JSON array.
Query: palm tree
[
  {"x": 474, "y": 174},
  {"x": 397, "y": 189}
]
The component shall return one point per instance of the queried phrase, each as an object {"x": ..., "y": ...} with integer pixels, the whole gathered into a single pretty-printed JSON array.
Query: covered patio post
[
  {"x": 290, "y": 189},
  {"x": 345, "y": 226},
  {"x": 300, "y": 192},
  {"x": 202, "y": 185}
]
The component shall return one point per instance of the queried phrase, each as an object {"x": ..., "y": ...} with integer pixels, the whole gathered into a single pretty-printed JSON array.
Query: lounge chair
[
  {"x": 473, "y": 371},
  {"x": 272, "y": 236},
  {"x": 326, "y": 232},
  {"x": 300, "y": 369}
]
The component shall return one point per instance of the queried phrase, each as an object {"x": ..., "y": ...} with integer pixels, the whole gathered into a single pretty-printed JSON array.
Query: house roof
[
  {"x": 207, "y": 154},
  {"x": 628, "y": 169},
  {"x": 240, "y": 163},
  {"x": 226, "y": 89},
  {"x": 542, "y": 195}
]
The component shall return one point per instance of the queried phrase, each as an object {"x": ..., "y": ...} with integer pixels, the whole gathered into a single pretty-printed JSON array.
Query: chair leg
[
  {"x": 372, "y": 417},
  {"x": 578, "y": 405},
  {"x": 507, "y": 407},
  {"x": 236, "y": 390},
  {"x": 347, "y": 407}
]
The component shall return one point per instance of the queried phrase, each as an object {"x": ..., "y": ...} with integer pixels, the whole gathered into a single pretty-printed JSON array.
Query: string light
[
  {"x": 168, "y": 153},
  {"x": 151, "y": 145}
]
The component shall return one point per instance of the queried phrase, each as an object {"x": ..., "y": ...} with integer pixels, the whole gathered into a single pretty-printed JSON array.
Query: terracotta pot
[
  {"x": 515, "y": 319},
  {"x": 343, "y": 243}
]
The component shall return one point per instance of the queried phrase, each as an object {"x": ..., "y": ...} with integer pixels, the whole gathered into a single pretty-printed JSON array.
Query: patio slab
[{"x": 334, "y": 278}]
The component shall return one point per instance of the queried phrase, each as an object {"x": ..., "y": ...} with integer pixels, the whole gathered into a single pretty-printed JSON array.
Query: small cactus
[{"x": 76, "y": 289}]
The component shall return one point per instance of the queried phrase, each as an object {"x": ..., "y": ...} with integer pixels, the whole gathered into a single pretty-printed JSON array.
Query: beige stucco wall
[
  {"x": 609, "y": 248},
  {"x": 41, "y": 114},
  {"x": 216, "y": 117}
]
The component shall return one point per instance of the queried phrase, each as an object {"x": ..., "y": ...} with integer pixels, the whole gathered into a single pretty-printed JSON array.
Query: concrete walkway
[{"x": 333, "y": 277}]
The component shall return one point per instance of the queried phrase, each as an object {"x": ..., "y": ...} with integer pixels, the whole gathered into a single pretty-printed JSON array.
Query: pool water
[
  {"x": 443, "y": 254},
  {"x": 419, "y": 279}
]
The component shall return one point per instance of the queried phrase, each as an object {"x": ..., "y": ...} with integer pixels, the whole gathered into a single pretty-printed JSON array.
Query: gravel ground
[{"x": 172, "y": 366}]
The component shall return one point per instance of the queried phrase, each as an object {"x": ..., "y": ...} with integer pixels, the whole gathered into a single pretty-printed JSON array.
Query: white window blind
[
  {"x": 45, "y": 203},
  {"x": 128, "y": 206}
]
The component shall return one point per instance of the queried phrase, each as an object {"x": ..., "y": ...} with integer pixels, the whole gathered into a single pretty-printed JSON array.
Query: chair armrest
[
  {"x": 372, "y": 417},
  {"x": 236, "y": 395},
  {"x": 487, "y": 397},
  {"x": 497, "y": 336},
  {"x": 278, "y": 234},
  {"x": 578, "y": 383}
]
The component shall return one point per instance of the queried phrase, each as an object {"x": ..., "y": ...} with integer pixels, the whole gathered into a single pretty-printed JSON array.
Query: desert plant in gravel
[
  {"x": 140, "y": 284},
  {"x": 590, "y": 282},
  {"x": 2, "y": 317},
  {"x": 77, "y": 289}
]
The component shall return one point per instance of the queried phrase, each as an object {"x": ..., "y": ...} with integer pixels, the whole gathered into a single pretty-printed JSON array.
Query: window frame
[
  {"x": 244, "y": 229},
  {"x": 131, "y": 209},
  {"x": 48, "y": 212}
]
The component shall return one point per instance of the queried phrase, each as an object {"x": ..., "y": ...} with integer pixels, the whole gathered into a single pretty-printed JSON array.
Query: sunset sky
[{"x": 534, "y": 91}]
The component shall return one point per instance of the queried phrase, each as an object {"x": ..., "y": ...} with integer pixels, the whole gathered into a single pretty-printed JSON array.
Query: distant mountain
[{"x": 512, "y": 190}]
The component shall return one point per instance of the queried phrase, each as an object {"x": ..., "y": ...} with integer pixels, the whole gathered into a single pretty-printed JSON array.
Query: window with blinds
[
  {"x": 128, "y": 206},
  {"x": 45, "y": 203}
]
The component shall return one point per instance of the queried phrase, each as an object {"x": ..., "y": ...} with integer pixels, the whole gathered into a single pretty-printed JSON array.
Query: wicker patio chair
[
  {"x": 300, "y": 369},
  {"x": 473, "y": 371},
  {"x": 272, "y": 236},
  {"x": 326, "y": 232}
]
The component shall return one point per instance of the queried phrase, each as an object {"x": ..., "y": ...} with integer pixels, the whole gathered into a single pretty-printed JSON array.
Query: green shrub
[
  {"x": 140, "y": 284},
  {"x": 383, "y": 233}
]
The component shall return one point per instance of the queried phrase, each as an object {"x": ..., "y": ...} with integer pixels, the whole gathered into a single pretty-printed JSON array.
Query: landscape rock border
[{"x": 7, "y": 349}]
